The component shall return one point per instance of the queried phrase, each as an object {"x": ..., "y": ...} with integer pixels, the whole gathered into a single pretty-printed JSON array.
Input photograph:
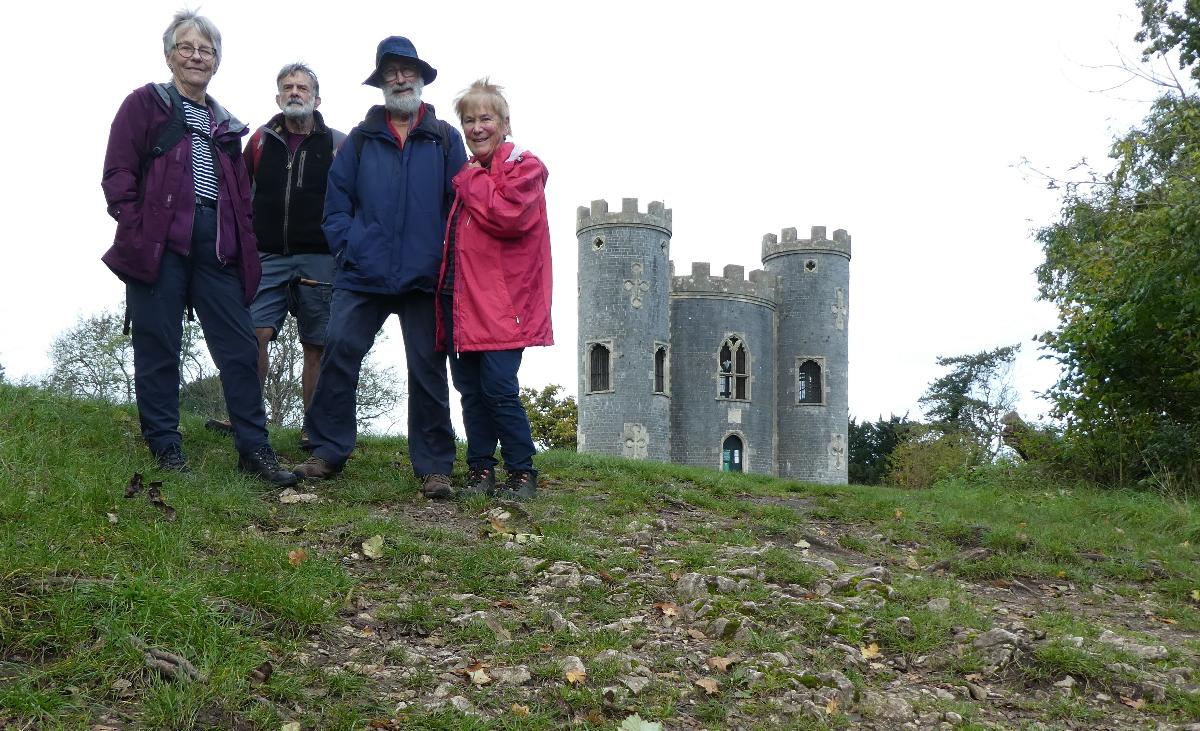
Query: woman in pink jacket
[{"x": 494, "y": 292}]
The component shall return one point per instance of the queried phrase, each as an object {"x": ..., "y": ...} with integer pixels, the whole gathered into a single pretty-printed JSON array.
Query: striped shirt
[{"x": 204, "y": 176}]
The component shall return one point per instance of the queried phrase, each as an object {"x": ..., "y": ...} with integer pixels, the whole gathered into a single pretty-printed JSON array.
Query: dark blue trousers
[
  {"x": 156, "y": 312},
  {"x": 491, "y": 402},
  {"x": 354, "y": 320}
]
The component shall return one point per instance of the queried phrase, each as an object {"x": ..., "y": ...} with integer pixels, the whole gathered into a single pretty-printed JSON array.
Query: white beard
[
  {"x": 403, "y": 104},
  {"x": 299, "y": 112}
]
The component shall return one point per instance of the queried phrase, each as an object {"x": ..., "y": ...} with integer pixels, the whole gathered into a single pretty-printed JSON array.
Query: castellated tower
[
  {"x": 811, "y": 365},
  {"x": 624, "y": 334},
  {"x": 722, "y": 359}
]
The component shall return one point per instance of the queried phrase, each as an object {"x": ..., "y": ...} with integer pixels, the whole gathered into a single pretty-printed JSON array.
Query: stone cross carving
[
  {"x": 837, "y": 453},
  {"x": 636, "y": 286},
  {"x": 837, "y": 308},
  {"x": 635, "y": 441}
]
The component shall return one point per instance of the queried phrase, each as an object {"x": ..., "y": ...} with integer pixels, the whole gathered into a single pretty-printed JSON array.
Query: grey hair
[
  {"x": 193, "y": 19},
  {"x": 299, "y": 67},
  {"x": 483, "y": 93}
]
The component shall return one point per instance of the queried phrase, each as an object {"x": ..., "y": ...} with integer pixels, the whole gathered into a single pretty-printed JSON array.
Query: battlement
[
  {"x": 761, "y": 285},
  {"x": 789, "y": 242},
  {"x": 656, "y": 215}
]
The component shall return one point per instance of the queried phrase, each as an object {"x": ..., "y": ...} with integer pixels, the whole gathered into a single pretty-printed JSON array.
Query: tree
[
  {"x": 552, "y": 420},
  {"x": 972, "y": 398},
  {"x": 1123, "y": 265},
  {"x": 871, "y": 444},
  {"x": 380, "y": 390},
  {"x": 93, "y": 359},
  {"x": 1167, "y": 30}
]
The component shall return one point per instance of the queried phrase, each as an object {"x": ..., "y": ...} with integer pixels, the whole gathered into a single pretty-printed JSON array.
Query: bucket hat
[{"x": 400, "y": 47}]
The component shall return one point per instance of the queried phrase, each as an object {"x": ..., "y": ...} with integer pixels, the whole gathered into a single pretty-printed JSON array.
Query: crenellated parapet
[
  {"x": 761, "y": 287},
  {"x": 656, "y": 216},
  {"x": 817, "y": 242}
]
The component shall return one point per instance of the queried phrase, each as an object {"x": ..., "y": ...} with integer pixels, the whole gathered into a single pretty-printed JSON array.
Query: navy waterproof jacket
[{"x": 386, "y": 206}]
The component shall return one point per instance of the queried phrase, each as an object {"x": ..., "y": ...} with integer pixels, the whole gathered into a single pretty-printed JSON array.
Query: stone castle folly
[{"x": 731, "y": 372}]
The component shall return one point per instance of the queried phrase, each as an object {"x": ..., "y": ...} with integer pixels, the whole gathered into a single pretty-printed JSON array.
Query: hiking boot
[
  {"x": 480, "y": 481},
  {"x": 315, "y": 468},
  {"x": 519, "y": 485},
  {"x": 437, "y": 487},
  {"x": 171, "y": 459},
  {"x": 305, "y": 442},
  {"x": 264, "y": 463},
  {"x": 221, "y": 426}
]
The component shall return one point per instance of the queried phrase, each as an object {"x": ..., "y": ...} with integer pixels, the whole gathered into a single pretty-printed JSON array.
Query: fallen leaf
[
  {"x": 573, "y": 669},
  {"x": 696, "y": 634},
  {"x": 899, "y": 513},
  {"x": 1061, "y": 574},
  {"x": 262, "y": 673},
  {"x": 135, "y": 485},
  {"x": 669, "y": 609},
  {"x": 1196, "y": 595},
  {"x": 721, "y": 664},
  {"x": 373, "y": 547},
  {"x": 1166, "y": 620},
  {"x": 291, "y": 497},
  {"x": 911, "y": 562},
  {"x": 675, "y": 575},
  {"x": 870, "y": 652},
  {"x": 297, "y": 557},
  {"x": 636, "y": 723},
  {"x": 709, "y": 685},
  {"x": 1134, "y": 703},
  {"x": 158, "y": 501},
  {"x": 479, "y": 677},
  {"x": 520, "y": 710},
  {"x": 499, "y": 526},
  {"x": 606, "y": 577},
  {"x": 505, "y": 603},
  {"x": 801, "y": 544},
  {"x": 831, "y": 707}
]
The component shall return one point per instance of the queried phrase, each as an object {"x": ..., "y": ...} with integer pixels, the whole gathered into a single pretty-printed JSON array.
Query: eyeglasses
[
  {"x": 187, "y": 50},
  {"x": 394, "y": 74}
]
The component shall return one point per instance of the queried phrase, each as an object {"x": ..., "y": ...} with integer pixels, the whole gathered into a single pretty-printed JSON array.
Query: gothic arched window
[
  {"x": 599, "y": 359},
  {"x": 660, "y": 369},
  {"x": 808, "y": 382},
  {"x": 734, "y": 369}
]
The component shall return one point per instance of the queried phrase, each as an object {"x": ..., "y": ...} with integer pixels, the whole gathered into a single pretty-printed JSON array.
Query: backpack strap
[
  {"x": 256, "y": 148},
  {"x": 176, "y": 127}
]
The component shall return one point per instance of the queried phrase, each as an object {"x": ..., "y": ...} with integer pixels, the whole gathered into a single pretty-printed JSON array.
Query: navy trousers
[
  {"x": 491, "y": 402},
  {"x": 156, "y": 312},
  {"x": 354, "y": 320}
]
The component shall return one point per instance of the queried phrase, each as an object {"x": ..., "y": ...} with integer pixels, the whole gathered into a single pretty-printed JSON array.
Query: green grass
[{"x": 85, "y": 574}]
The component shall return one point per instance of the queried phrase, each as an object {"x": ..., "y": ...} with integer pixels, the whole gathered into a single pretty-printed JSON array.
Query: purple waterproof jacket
[{"x": 154, "y": 201}]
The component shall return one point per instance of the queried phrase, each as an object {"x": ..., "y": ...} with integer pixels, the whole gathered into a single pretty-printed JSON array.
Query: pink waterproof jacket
[{"x": 502, "y": 271}]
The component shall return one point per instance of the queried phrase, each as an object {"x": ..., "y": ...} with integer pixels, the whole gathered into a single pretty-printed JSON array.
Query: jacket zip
[{"x": 287, "y": 200}]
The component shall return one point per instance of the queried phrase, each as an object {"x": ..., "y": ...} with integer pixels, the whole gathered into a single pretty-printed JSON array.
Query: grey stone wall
[
  {"x": 705, "y": 311},
  {"x": 813, "y": 316},
  {"x": 624, "y": 276}
]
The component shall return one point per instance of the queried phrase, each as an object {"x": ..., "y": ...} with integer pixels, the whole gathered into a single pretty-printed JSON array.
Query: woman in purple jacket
[{"x": 175, "y": 182}]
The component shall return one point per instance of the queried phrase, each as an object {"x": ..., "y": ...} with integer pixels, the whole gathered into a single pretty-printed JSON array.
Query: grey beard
[
  {"x": 404, "y": 105},
  {"x": 301, "y": 113}
]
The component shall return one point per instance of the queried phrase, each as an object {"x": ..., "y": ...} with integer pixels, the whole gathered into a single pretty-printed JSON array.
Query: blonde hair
[{"x": 483, "y": 93}]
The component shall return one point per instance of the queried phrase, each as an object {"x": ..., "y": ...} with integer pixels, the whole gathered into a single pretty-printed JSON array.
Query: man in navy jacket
[{"x": 386, "y": 204}]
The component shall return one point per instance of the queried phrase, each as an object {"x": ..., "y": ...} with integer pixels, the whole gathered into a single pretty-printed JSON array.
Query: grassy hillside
[{"x": 631, "y": 594}]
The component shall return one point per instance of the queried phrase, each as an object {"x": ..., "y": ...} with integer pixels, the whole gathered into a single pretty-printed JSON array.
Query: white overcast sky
[{"x": 899, "y": 122}]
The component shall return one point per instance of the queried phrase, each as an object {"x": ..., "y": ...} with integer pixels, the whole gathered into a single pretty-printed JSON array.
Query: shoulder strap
[
  {"x": 443, "y": 137},
  {"x": 256, "y": 147},
  {"x": 176, "y": 127},
  {"x": 338, "y": 139}
]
